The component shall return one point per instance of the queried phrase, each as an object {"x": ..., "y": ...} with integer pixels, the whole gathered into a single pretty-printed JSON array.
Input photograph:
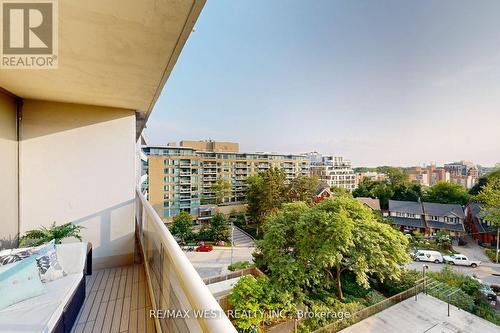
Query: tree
[
  {"x": 396, "y": 175},
  {"x": 182, "y": 226},
  {"x": 222, "y": 190},
  {"x": 307, "y": 248},
  {"x": 218, "y": 228},
  {"x": 339, "y": 191},
  {"x": 265, "y": 192},
  {"x": 303, "y": 188},
  {"x": 365, "y": 247},
  {"x": 483, "y": 181},
  {"x": 407, "y": 192},
  {"x": 383, "y": 191},
  {"x": 278, "y": 249},
  {"x": 447, "y": 193},
  {"x": 365, "y": 188},
  {"x": 489, "y": 196}
]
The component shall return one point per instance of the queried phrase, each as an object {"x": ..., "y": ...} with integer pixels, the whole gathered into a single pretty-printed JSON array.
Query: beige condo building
[{"x": 181, "y": 178}]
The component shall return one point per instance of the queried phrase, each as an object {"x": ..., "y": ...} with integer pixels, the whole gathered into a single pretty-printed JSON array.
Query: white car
[
  {"x": 428, "y": 255},
  {"x": 460, "y": 259}
]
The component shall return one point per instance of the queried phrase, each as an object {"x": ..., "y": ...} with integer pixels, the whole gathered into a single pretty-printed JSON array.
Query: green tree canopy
[
  {"x": 483, "y": 181},
  {"x": 218, "y": 228},
  {"x": 182, "y": 226},
  {"x": 489, "y": 196},
  {"x": 265, "y": 192},
  {"x": 303, "y": 188},
  {"x": 407, "y": 192},
  {"x": 396, "y": 175},
  {"x": 448, "y": 193},
  {"x": 306, "y": 248}
]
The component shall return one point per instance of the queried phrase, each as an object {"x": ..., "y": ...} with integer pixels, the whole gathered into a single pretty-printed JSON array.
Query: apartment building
[
  {"x": 68, "y": 147},
  {"x": 181, "y": 178},
  {"x": 426, "y": 217},
  {"x": 372, "y": 175},
  {"x": 464, "y": 173},
  {"x": 428, "y": 175},
  {"x": 333, "y": 170}
]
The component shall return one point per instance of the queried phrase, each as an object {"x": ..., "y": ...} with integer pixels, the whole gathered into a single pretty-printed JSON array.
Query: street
[
  {"x": 216, "y": 262},
  {"x": 485, "y": 271}
]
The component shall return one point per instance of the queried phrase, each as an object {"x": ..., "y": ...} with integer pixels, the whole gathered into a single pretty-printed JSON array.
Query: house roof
[
  {"x": 439, "y": 209},
  {"x": 370, "y": 202},
  {"x": 321, "y": 188},
  {"x": 476, "y": 210},
  {"x": 430, "y": 208},
  {"x": 409, "y": 222},
  {"x": 412, "y": 207},
  {"x": 446, "y": 226}
]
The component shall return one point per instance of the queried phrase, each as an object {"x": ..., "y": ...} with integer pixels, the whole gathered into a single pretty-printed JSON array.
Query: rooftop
[
  {"x": 443, "y": 209},
  {"x": 427, "y": 314},
  {"x": 436, "y": 209},
  {"x": 412, "y": 207},
  {"x": 370, "y": 202}
]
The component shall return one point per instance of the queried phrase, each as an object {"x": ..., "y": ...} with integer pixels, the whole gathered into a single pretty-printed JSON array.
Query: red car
[{"x": 204, "y": 248}]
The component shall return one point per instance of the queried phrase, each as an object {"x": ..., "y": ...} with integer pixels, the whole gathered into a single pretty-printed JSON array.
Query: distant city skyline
[{"x": 380, "y": 83}]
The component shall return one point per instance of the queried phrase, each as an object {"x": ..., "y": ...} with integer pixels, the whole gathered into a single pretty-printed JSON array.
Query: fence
[{"x": 247, "y": 271}]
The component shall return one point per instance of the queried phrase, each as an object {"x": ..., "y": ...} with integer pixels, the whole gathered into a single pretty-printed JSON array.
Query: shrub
[
  {"x": 491, "y": 253},
  {"x": 485, "y": 311},
  {"x": 374, "y": 297},
  {"x": 254, "y": 300},
  {"x": 351, "y": 287},
  {"x": 407, "y": 281},
  {"x": 317, "y": 322},
  {"x": 239, "y": 265},
  {"x": 453, "y": 279}
]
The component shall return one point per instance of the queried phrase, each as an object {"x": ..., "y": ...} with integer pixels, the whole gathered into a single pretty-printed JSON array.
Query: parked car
[
  {"x": 204, "y": 248},
  {"x": 429, "y": 255},
  {"x": 460, "y": 259}
]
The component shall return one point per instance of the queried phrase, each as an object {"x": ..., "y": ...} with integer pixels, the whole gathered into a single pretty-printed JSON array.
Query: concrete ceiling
[{"x": 115, "y": 53}]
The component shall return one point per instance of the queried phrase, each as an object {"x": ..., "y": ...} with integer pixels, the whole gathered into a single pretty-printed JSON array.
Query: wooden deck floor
[{"x": 117, "y": 301}]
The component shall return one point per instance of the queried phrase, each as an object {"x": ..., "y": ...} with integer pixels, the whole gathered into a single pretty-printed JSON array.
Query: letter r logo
[{"x": 27, "y": 27}]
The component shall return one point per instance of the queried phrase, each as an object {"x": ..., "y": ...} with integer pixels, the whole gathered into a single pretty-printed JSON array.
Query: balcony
[{"x": 172, "y": 281}]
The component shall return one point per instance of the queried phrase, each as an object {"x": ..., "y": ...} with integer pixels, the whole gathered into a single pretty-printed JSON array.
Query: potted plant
[{"x": 44, "y": 235}]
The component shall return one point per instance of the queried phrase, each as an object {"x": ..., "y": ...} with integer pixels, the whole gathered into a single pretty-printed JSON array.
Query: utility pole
[
  {"x": 498, "y": 239},
  {"x": 232, "y": 242}
]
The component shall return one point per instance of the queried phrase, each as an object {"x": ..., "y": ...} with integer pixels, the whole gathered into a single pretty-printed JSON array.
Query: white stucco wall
[
  {"x": 77, "y": 164},
  {"x": 8, "y": 171}
]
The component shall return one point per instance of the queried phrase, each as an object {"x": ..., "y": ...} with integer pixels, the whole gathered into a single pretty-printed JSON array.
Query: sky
[{"x": 379, "y": 82}]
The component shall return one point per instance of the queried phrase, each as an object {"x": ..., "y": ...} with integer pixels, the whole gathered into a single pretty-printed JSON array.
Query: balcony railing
[{"x": 173, "y": 282}]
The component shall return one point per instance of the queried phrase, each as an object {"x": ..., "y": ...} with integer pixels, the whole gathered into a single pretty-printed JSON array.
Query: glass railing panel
[{"x": 174, "y": 283}]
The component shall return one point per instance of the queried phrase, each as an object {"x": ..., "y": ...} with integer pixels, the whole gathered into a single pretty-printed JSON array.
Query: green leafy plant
[
  {"x": 240, "y": 265},
  {"x": 182, "y": 226},
  {"x": 44, "y": 235},
  {"x": 258, "y": 301}
]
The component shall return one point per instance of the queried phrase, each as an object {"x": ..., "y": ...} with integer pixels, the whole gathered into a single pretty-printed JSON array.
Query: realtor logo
[{"x": 29, "y": 34}]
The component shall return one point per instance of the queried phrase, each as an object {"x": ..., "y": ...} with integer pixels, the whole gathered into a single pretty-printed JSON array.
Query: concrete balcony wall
[
  {"x": 8, "y": 168},
  {"x": 77, "y": 164}
]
